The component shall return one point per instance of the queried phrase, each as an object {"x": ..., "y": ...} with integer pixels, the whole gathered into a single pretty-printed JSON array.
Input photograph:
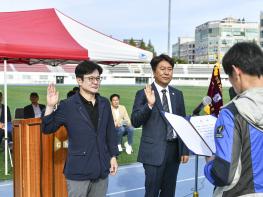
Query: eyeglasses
[{"x": 93, "y": 79}]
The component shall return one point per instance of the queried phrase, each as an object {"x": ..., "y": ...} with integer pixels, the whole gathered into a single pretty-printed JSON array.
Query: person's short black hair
[
  {"x": 75, "y": 89},
  {"x": 157, "y": 59},
  {"x": 86, "y": 67},
  {"x": 245, "y": 55},
  {"x": 114, "y": 95},
  {"x": 70, "y": 93},
  {"x": 34, "y": 94}
]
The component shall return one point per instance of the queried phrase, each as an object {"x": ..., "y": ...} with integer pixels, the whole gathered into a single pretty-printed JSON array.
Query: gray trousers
[{"x": 87, "y": 188}]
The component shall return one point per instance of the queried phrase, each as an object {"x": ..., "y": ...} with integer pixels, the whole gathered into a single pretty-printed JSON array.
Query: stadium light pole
[{"x": 169, "y": 27}]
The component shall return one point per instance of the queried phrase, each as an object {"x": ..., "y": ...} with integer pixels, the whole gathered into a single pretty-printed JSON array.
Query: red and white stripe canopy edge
[{"x": 49, "y": 35}]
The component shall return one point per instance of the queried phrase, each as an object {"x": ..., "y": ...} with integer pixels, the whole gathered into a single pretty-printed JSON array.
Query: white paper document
[{"x": 198, "y": 134}]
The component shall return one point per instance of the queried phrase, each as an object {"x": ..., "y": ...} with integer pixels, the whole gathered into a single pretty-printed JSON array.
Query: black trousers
[
  {"x": 2, "y": 135},
  {"x": 161, "y": 180}
]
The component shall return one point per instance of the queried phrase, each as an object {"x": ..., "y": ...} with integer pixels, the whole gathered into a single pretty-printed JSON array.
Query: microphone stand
[
  {"x": 207, "y": 100},
  {"x": 196, "y": 194}
]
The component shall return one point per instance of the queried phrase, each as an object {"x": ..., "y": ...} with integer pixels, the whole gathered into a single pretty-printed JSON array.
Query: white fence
[{"x": 131, "y": 74}]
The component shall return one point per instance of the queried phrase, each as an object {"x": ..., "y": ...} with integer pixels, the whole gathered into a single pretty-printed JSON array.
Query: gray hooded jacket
[{"x": 250, "y": 106}]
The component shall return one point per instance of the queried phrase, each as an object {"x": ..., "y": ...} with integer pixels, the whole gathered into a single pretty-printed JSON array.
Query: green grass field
[{"x": 18, "y": 96}]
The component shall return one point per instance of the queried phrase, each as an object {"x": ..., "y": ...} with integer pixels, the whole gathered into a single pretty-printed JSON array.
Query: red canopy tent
[
  {"x": 37, "y": 34},
  {"x": 49, "y": 36}
]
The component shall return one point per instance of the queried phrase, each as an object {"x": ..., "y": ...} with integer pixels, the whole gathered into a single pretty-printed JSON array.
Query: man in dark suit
[
  {"x": 92, "y": 138},
  {"x": 35, "y": 109},
  {"x": 2, "y": 121},
  {"x": 161, "y": 150}
]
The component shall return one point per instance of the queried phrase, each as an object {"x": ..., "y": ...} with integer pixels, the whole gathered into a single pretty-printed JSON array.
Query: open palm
[
  {"x": 149, "y": 93},
  {"x": 52, "y": 95}
]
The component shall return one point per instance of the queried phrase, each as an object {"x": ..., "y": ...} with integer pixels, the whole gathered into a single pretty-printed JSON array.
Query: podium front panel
[{"x": 38, "y": 165}]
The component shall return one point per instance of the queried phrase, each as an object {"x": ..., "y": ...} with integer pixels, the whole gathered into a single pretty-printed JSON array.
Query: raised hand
[
  {"x": 52, "y": 95},
  {"x": 52, "y": 99},
  {"x": 149, "y": 93}
]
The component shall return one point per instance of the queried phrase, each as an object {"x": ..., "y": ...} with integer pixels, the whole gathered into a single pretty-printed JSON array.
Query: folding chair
[{"x": 19, "y": 113}]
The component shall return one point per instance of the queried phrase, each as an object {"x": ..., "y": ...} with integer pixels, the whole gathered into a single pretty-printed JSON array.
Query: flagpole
[
  {"x": 218, "y": 53},
  {"x": 169, "y": 27}
]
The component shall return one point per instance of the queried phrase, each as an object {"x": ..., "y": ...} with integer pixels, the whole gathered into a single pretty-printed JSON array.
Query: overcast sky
[{"x": 147, "y": 19}]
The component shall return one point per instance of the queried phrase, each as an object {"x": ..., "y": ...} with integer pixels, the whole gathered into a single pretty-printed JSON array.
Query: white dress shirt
[
  {"x": 159, "y": 89},
  {"x": 37, "y": 111}
]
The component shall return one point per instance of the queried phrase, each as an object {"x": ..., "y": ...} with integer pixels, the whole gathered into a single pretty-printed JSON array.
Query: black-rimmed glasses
[{"x": 93, "y": 79}]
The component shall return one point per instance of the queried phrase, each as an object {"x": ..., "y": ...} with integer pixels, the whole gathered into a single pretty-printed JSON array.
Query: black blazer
[
  {"x": 29, "y": 111},
  {"x": 154, "y": 126},
  {"x": 89, "y": 150},
  {"x": 2, "y": 115}
]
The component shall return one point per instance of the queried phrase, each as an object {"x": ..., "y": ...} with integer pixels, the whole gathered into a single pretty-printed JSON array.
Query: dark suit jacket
[
  {"x": 154, "y": 126},
  {"x": 2, "y": 119},
  {"x": 89, "y": 150},
  {"x": 29, "y": 111},
  {"x": 2, "y": 115}
]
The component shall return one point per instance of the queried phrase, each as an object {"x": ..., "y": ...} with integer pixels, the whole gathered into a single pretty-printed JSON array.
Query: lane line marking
[
  {"x": 140, "y": 188},
  {"x": 6, "y": 184}
]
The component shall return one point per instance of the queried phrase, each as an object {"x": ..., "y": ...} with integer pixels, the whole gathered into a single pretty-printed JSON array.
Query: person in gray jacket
[{"x": 237, "y": 166}]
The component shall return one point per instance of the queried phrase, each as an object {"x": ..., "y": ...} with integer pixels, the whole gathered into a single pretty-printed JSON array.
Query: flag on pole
[{"x": 215, "y": 92}]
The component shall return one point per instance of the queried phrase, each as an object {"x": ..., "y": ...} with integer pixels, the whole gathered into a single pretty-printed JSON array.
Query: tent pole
[{"x": 5, "y": 111}]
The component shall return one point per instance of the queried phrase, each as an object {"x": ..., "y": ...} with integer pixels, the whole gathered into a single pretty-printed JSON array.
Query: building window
[
  {"x": 141, "y": 80},
  {"x": 59, "y": 79},
  {"x": 26, "y": 77},
  {"x": 10, "y": 76},
  {"x": 43, "y": 77}
]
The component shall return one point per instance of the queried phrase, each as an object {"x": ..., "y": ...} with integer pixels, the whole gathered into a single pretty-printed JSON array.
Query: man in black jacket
[
  {"x": 92, "y": 138},
  {"x": 2, "y": 120},
  {"x": 34, "y": 110}
]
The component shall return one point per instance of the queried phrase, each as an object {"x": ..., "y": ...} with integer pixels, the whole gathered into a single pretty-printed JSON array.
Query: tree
[
  {"x": 179, "y": 61},
  {"x": 142, "y": 45},
  {"x": 131, "y": 42},
  {"x": 151, "y": 48}
]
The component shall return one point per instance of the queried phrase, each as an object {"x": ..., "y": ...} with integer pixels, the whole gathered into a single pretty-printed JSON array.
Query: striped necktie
[{"x": 170, "y": 134}]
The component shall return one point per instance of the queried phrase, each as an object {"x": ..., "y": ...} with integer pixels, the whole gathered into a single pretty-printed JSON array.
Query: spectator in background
[
  {"x": 2, "y": 121},
  {"x": 75, "y": 89},
  {"x": 70, "y": 93},
  {"x": 122, "y": 123},
  {"x": 35, "y": 109}
]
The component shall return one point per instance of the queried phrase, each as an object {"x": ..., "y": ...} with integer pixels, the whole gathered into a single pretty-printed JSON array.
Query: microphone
[{"x": 206, "y": 101}]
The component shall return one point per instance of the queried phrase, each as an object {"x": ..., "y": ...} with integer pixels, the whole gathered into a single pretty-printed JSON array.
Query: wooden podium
[{"x": 38, "y": 160}]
